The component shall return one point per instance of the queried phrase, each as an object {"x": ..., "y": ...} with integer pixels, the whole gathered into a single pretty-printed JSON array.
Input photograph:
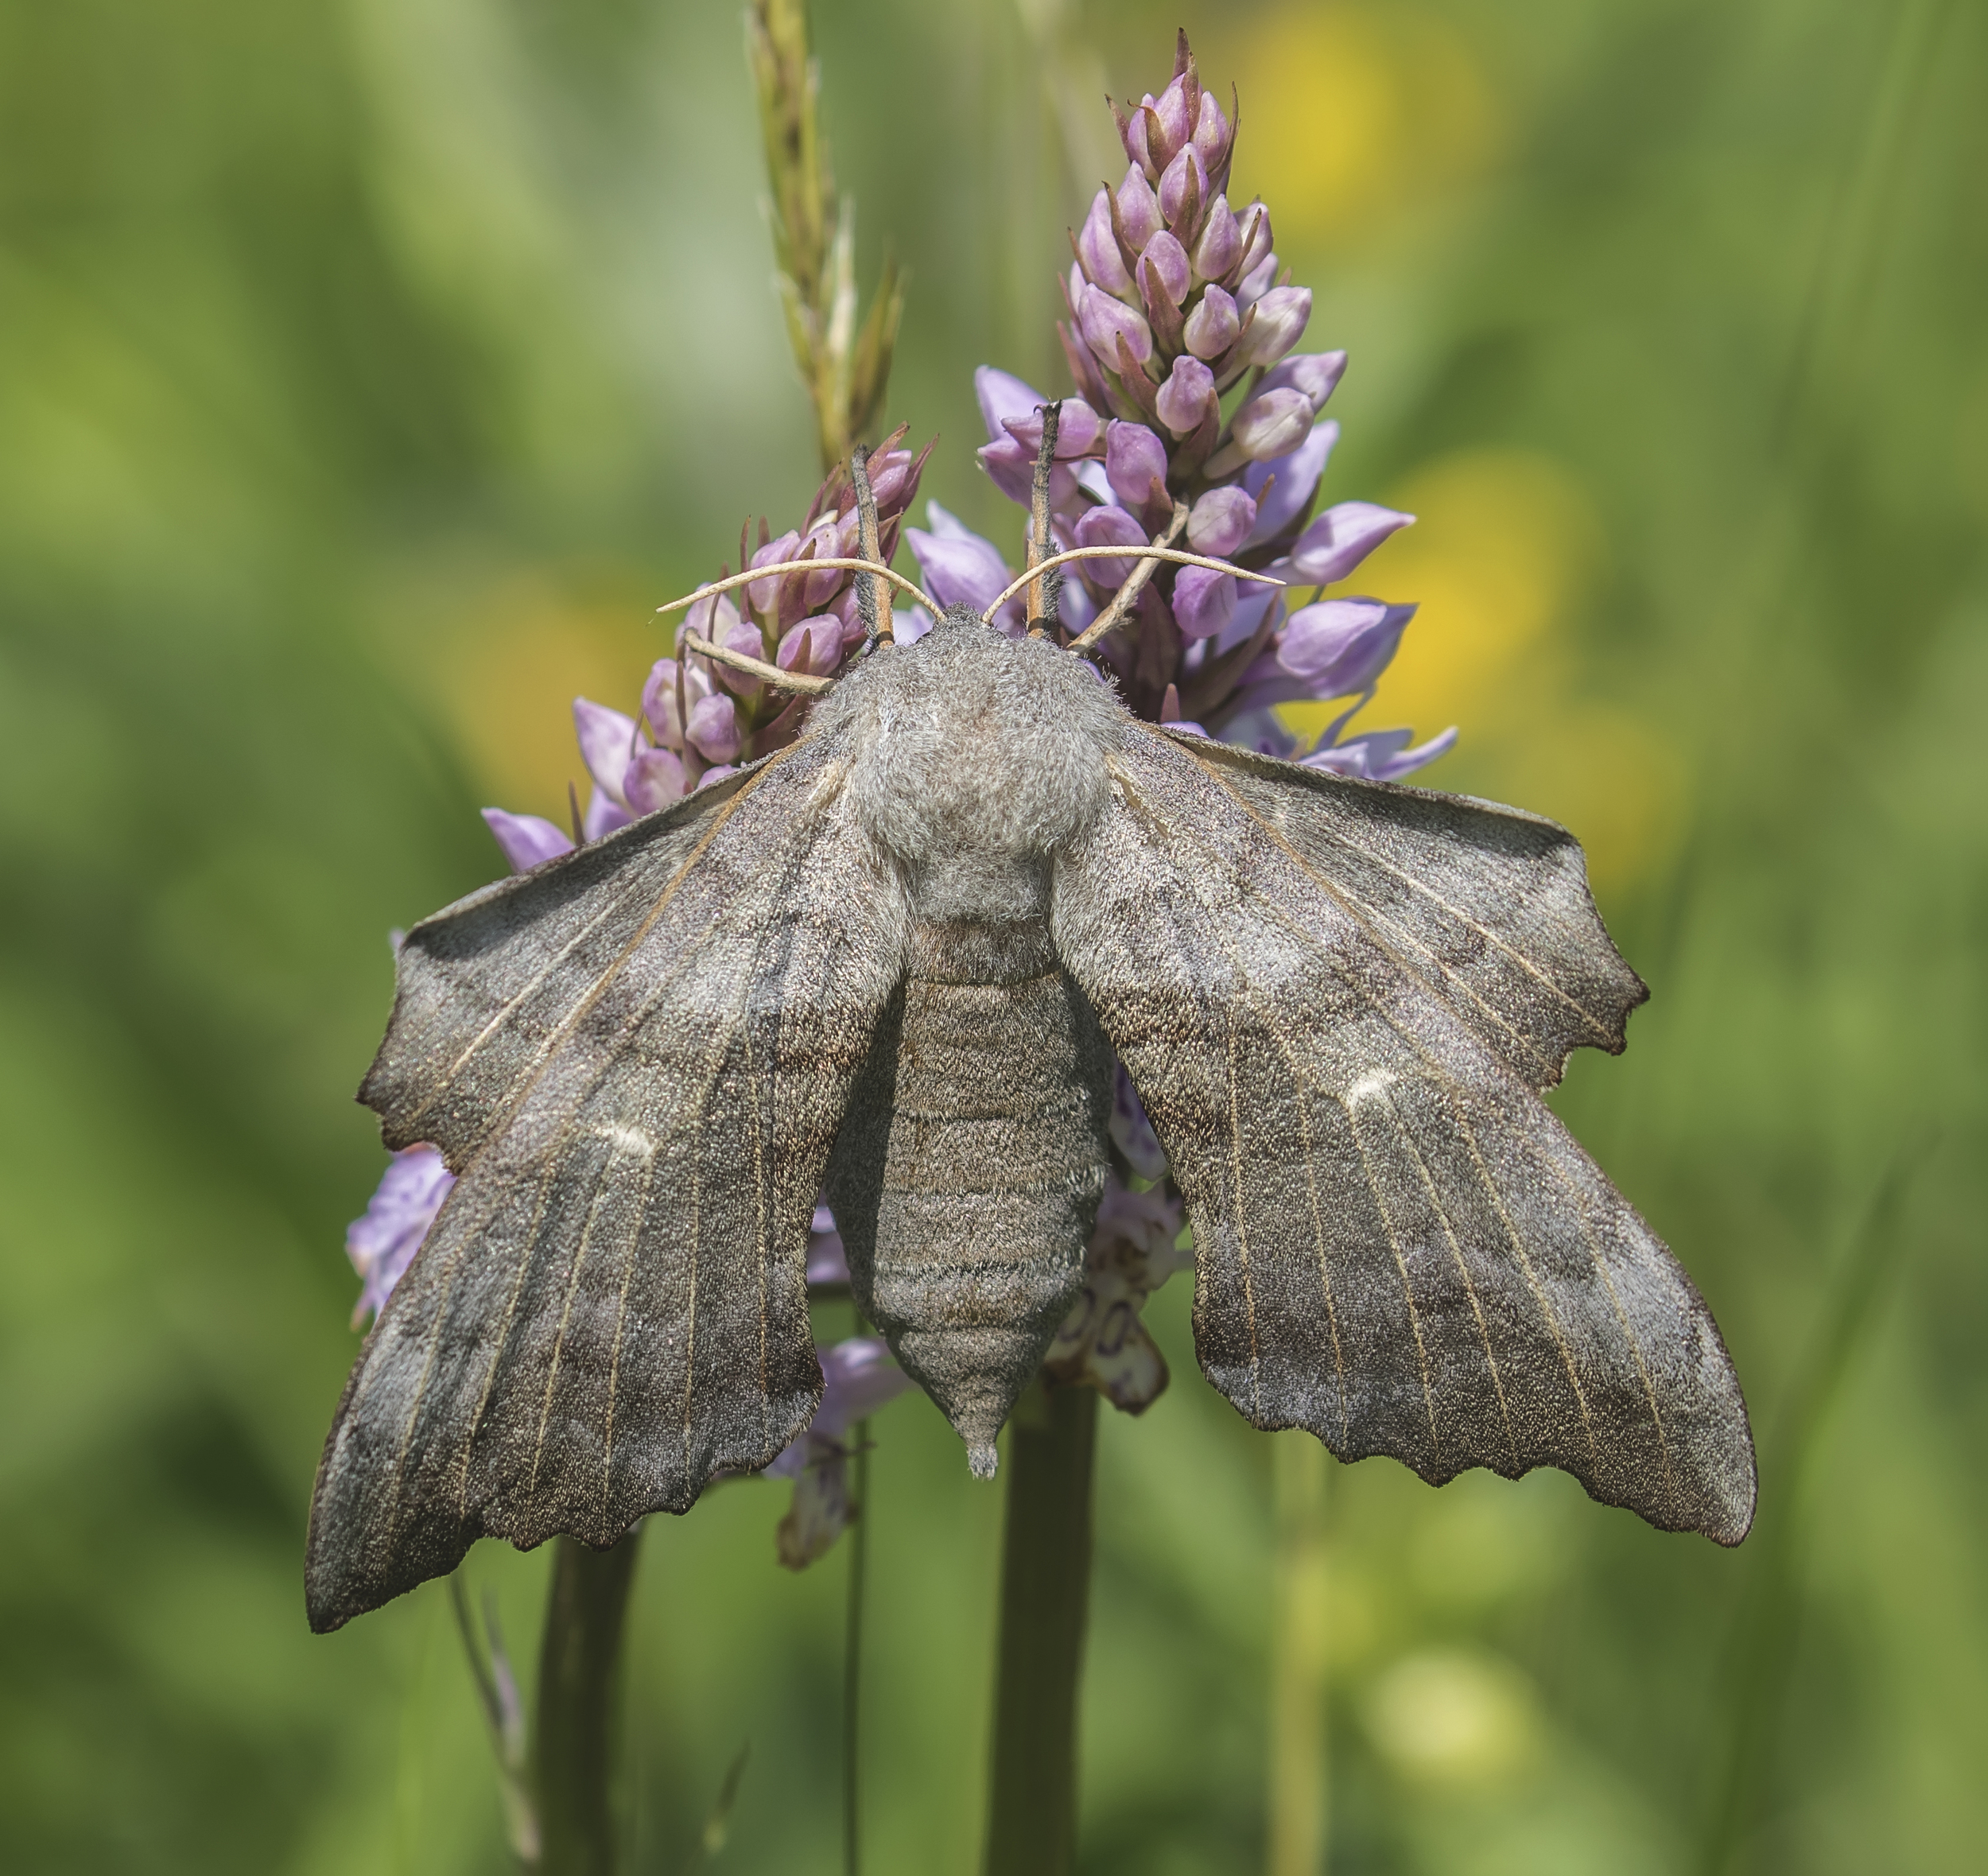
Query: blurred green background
[{"x": 369, "y": 369}]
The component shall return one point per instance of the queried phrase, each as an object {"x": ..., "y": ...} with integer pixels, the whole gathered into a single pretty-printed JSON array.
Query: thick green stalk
[
  {"x": 1046, "y": 1566},
  {"x": 574, "y": 1744}
]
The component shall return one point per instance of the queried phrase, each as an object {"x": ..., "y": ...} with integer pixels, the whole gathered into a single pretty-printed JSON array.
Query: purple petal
[
  {"x": 1185, "y": 176},
  {"x": 1316, "y": 374},
  {"x": 1134, "y": 458},
  {"x": 1204, "y": 601},
  {"x": 860, "y": 1377},
  {"x": 527, "y": 841},
  {"x": 1079, "y": 428},
  {"x": 1220, "y": 520},
  {"x": 1281, "y": 315},
  {"x": 1212, "y": 327},
  {"x": 824, "y": 637},
  {"x": 1002, "y": 395},
  {"x": 1104, "y": 321},
  {"x": 1381, "y": 755},
  {"x": 744, "y": 637},
  {"x": 1176, "y": 124},
  {"x": 714, "y": 729},
  {"x": 1097, "y": 247},
  {"x": 1256, "y": 239},
  {"x": 607, "y": 740},
  {"x": 959, "y": 567},
  {"x": 1109, "y": 527},
  {"x": 763, "y": 595},
  {"x": 1138, "y": 210},
  {"x": 1131, "y": 1132},
  {"x": 382, "y": 1244},
  {"x": 1272, "y": 423},
  {"x": 659, "y": 698},
  {"x": 1011, "y": 468},
  {"x": 1213, "y": 135},
  {"x": 1336, "y": 647},
  {"x": 1257, "y": 281},
  {"x": 828, "y": 1260},
  {"x": 604, "y": 815},
  {"x": 654, "y": 780},
  {"x": 1221, "y": 241},
  {"x": 1163, "y": 270},
  {"x": 1185, "y": 396},
  {"x": 1335, "y": 542},
  {"x": 1280, "y": 502}
]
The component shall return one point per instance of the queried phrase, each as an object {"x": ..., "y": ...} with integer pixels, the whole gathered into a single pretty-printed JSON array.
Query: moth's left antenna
[{"x": 877, "y": 624}]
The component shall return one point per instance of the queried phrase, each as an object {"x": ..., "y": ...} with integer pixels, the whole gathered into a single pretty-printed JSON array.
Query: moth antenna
[
  {"x": 1127, "y": 594},
  {"x": 815, "y": 566},
  {"x": 878, "y": 626},
  {"x": 770, "y": 675},
  {"x": 1042, "y": 594},
  {"x": 1150, "y": 558}
]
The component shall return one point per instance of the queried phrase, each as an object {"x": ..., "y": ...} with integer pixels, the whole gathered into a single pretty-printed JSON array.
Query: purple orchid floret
[
  {"x": 527, "y": 841},
  {"x": 859, "y": 1376},
  {"x": 382, "y": 1243}
]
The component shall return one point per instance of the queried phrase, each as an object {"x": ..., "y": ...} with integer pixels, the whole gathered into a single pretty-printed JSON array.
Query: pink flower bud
[
  {"x": 1134, "y": 458},
  {"x": 1212, "y": 325},
  {"x": 764, "y": 595},
  {"x": 1314, "y": 373},
  {"x": 1272, "y": 423},
  {"x": 1163, "y": 270},
  {"x": 659, "y": 699},
  {"x": 1105, "y": 321},
  {"x": 1220, "y": 520},
  {"x": 820, "y": 638},
  {"x": 1204, "y": 601},
  {"x": 1282, "y": 316},
  {"x": 1183, "y": 185},
  {"x": 1131, "y": 133},
  {"x": 1185, "y": 396},
  {"x": 607, "y": 740},
  {"x": 714, "y": 729},
  {"x": 1175, "y": 125},
  {"x": 1109, "y": 527},
  {"x": 654, "y": 780},
  {"x": 1097, "y": 248},
  {"x": 1221, "y": 241},
  {"x": 1213, "y": 135},
  {"x": 1138, "y": 210}
]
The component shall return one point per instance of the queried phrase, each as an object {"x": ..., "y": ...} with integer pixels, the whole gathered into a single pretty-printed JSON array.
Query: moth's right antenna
[
  {"x": 1042, "y": 589},
  {"x": 879, "y": 623}
]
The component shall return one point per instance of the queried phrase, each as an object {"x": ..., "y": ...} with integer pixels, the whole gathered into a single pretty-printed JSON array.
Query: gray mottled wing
[
  {"x": 1399, "y": 1245},
  {"x": 1490, "y": 905},
  {"x": 639, "y": 1057}
]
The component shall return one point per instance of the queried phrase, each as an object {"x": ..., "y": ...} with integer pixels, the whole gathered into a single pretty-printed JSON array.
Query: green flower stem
[
  {"x": 1299, "y": 1791},
  {"x": 859, "y": 1543},
  {"x": 577, "y": 1681},
  {"x": 1046, "y": 1568}
]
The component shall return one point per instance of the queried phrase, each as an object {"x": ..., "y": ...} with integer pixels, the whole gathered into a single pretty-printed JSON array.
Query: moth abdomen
[{"x": 967, "y": 1177}]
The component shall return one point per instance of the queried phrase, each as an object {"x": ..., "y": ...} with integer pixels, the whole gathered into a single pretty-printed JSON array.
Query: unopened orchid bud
[
  {"x": 1220, "y": 520},
  {"x": 607, "y": 740},
  {"x": 960, "y": 567},
  {"x": 1164, "y": 269},
  {"x": 1185, "y": 398},
  {"x": 1339, "y": 646},
  {"x": 1002, "y": 395},
  {"x": 764, "y": 595},
  {"x": 1213, "y": 137},
  {"x": 1256, "y": 244},
  {"x": 1097, "y": 248},
  {"x": 889, "y": 475},
  {"x": 527, "y": 840},
  {"x": 1257, "y": 281},
  {"x": 1270, "y": 424},
  {"x": 1282, "y": 485},
  {"x": 1010, "y": 467},
  {"x": 654, "y": 780},
  {"x": 1132, "y": 1132},
  {"x": 1174, "y": 122},
  {"x": 1335, "y": 542},
  {"x": 742, "y": 636},
  {"x": 1131, "y": 133},
  {"x": 713, "y": 727},
  {"x": 1139, "y": 215},
  {"x": 1183, "y": 188},
  {"x": 1282, "y": 316},
  {"x": 1316, "y": 374},
  {"x": 814, "y": 646},
  {"x": 1204, "y": 601},
  {"x": 1108, "y": 526},
  {"x": 1105, "y": 321},
  {"x": 659, "y": 699},
  {"x": 1221, "y": 241},
  {"x": 1134, "y": 458},
  {"x": 1078, "y": 429},
  {"x": 1212, "y": 325}
]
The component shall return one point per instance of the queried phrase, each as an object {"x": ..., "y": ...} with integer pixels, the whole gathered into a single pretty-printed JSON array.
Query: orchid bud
[
  {"x": 816, "y": 641},
  {"x": 1255, "y": 239},
  {"x": 1283, "y": 484},
  {"x": 890, "y": 476},
  {"x": 1337, "y": 541},
  {"x": 1185, "y": 396},
  {"x": 713, "y": 727},
  {"x": 1163, "y": 268},
  {"x": 1134, "y": 458},
  {"x": 764, "y": 595},
  {"x": 1204, "y": 601},
  {"x": 1109, "y": 527},
  {"x": 1175, "y": 123},
  {"x": 1220, "y": 520},
  {"x": 1213, "y": 137},
  {"x": 1316, "y": 374},
  {"x": 1097, "y": 248},
  {"x": 1002, "y": 395},
  {"x": 744, "y": 637},
  {"x": 1011, "y": 468},
  {"x": 1183, "y": 187},
  {"x": 1138, "y": 215},
  {"x": 659, "y": 700},
  {"x": 1339, "y": 646},
  {"x": 1271, "y": 423},
  {"x": 1104, "y": 321},
  {"x": 1212, "y": 325},
  {"x": 607, "y": 740},
  {"x": 1079, "y": 428},
  {"x": 654, "y": 780},
  {"x": 527, "y": 840},
  {"x": 1282, "y": 316},
  {"x": 1257, "y": 281},
  {"x": 1221, "y": 241},
  {"x": 1131, "y": 133}
]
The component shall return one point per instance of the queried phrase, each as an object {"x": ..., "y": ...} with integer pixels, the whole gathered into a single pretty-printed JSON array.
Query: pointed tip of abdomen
[{"x": 982, "y": 1461}]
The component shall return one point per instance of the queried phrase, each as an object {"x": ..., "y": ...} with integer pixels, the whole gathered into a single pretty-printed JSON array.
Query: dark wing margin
[
  {"x": 1491, "y": 905},
  {"x": 1398, "y": 1246},
  {"x": 638, "y": 1057}
]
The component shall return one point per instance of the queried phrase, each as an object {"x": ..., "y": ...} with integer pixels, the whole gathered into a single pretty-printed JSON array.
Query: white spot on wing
[{"x": 1369, "y": 1086}]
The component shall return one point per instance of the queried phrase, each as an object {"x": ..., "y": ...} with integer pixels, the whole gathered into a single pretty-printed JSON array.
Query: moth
[{"x": 893, "y": 960}]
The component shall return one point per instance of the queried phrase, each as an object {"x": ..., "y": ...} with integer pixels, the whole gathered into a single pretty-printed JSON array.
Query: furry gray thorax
[{"x": 968, "y": 1174}]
